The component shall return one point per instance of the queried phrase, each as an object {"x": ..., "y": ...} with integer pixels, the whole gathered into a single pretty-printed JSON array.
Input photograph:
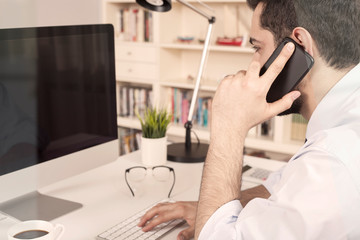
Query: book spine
[
  {"x": 205, "y": 113},
  {"x": 131, "y": 102},
  {"x": 199, "y": 112},
  {"x": 151, "y": 31},
  {"x": 298, "y": 127},
  {"x": 185, "y": 109},
  {"x": 130, "y": 140},
  {"x": 126, "y": 17},
  {"x": 209, "y": 111},
  {"x": 134, "y": 24},
  {"x": 140, "y": 25},
  {"x": 146, "y": 26},
  {"x": 124, "y": 101},
  {"x": 179, "y": 103},
  {"x": 175, "y": 105}
]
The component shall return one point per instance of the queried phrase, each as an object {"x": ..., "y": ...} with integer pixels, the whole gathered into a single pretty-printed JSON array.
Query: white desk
[{"x": 107, "y": 199}]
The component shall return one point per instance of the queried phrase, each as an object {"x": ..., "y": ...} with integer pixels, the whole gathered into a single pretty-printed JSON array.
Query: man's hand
[
  {"x": 164, "y": 212},
  {"x": 240, "y": 100},
  {"x": 238, "y": 105}
]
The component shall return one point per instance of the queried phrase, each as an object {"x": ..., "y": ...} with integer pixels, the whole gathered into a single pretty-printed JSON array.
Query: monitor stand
[{"x": 35, "y": 205}]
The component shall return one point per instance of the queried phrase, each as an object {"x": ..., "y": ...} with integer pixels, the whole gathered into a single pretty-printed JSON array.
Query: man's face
[{"x": 264, "y": 44}]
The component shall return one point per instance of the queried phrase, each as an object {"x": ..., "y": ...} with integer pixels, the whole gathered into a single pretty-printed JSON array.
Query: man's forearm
[
  {"x": 251, "y": 193},
  {"x": 238, "y": 105},
  {"x": 221, "y": 181}
]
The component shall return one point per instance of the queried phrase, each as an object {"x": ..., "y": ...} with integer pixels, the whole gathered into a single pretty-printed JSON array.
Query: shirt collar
[{"x": 331, "y": 109}]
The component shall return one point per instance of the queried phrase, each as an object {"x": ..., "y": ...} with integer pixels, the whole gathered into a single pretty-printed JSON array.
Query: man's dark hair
[{"x": 333, "y": 24}]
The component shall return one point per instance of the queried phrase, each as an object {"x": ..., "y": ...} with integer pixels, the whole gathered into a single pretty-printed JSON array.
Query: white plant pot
[{"x": 153, "y": 151}]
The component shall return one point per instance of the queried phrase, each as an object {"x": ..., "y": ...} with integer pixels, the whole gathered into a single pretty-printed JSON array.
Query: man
[{"x": 317, "y": 195}]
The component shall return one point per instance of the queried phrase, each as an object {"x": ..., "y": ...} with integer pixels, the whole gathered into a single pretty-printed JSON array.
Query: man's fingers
[
  {"x": 279, "y": 63},
  {"x": 153, "y": 212},
  {"x": 159, "y": 219},
  {"x": 284, "y": 103},
  {"x": 161, "y": 213},
  {"x": 254, "y": 69},
  {"x": 148, "y": 215}
]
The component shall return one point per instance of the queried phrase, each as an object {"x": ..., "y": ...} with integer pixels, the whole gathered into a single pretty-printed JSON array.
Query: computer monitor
[{"x": 57, "y": 112}]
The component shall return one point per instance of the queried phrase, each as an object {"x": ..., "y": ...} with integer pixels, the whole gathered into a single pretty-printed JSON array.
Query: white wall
[{"x": 29, "y": 13}]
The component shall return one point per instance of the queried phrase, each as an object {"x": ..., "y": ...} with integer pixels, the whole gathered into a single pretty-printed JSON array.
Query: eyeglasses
[{"x": 160, "y": 173}]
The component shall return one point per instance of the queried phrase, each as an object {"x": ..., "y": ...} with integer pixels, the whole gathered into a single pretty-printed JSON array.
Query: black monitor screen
[{"x": 57, "y": 92}]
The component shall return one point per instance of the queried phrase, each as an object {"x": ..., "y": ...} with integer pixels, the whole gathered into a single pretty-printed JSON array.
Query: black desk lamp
[{"x": 186, "y": 152}]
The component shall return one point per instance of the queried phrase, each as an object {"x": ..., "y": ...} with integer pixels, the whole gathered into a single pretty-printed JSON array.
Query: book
[
  {"x": 179, "y": 105},
  {"x": 265, "y": 129},
  {"x": 123, "y": 101},
  {"x": 199, "y": 112},
  {"x": 148, "y": 26},
  {"x": 298, "y": 127},
  {"x": 140, "y": 26},
  {"x": 133, "y": 100},
  {"x": 126, "y": 21},
  {"x": 129, "y": 140},
  {"x": 134, "y": 24},
  {"x": 184, "y": 108}
]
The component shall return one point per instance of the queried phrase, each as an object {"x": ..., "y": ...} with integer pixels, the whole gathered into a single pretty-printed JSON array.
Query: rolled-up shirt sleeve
[
  {"x": 307, "y": 202},
  {"x": 221, "y": 225}
]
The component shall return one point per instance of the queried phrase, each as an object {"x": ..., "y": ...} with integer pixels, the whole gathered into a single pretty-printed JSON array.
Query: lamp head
[{"x": 155, "y": 5}]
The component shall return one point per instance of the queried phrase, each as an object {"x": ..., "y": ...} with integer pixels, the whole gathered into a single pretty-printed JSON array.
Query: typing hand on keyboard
[
  {"x": 164, "y": 212},
  {"x": 154, "y": 222}
]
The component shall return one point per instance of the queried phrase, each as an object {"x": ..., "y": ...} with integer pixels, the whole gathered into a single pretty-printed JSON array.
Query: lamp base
[{"x": 177, "y": 152}]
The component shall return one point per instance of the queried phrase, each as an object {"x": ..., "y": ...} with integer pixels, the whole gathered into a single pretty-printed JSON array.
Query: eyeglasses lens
[
  {"x": 161, "y": 174},
  {"x": 137, "y": 174}
]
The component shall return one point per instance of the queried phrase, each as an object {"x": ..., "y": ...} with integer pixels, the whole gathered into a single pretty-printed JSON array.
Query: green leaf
[{"x": 155, "y": 122}]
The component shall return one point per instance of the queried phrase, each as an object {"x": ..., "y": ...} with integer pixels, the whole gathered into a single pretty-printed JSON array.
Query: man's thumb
[{"x": 186, "y": 234}]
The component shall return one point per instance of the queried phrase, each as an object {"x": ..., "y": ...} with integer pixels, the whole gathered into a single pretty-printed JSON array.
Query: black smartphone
[{"x": 294, "y": 71}]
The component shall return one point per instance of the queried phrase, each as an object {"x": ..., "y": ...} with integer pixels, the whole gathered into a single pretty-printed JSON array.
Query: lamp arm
[
  {"x": 211, "y": 20},
  {"x": 202, "y": 13},
  {"x": 201, "y": 69},
  {"x": 188, "y": 124}
]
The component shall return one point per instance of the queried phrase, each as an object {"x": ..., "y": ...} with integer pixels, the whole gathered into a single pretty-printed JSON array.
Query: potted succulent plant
[{"x": 153, "y": 141}]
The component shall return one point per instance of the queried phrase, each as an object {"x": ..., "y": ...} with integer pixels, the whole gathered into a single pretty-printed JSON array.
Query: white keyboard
[{"x": 129, "y": 230}]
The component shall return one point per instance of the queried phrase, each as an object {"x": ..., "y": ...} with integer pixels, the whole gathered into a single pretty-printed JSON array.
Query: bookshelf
[{"x": 164, "y": 63}]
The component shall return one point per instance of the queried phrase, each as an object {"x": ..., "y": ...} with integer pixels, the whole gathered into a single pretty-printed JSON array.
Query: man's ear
[{"x": 303, "y": 37}]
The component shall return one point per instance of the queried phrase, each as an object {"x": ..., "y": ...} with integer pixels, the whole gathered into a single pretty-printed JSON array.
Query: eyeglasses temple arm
[
  {"x": 173, "y": 182},
  {"x": 127, "y": 183}
]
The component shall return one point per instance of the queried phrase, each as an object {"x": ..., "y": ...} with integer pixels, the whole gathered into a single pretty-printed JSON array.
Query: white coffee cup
[{"x": 38, "y": 229}]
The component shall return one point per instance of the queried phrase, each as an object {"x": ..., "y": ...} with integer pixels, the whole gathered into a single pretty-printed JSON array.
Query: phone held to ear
[{"x": 294, "y": 71}]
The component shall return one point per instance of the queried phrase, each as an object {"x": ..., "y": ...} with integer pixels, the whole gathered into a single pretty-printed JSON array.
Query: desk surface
[{"x": 107, "y": 200}]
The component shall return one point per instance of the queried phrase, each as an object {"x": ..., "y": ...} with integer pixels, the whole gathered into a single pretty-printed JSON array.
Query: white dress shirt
[{"x": 317, "y": 194}]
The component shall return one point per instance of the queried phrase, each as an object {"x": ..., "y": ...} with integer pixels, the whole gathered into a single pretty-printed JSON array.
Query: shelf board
[
  {"x": 250, "y": 142},
  {"x": 135, "y": 81},
  {"x": 204, "y": 135},
  {"x": 186, "y": 85},
  {"x": 199, "y": 47},
  {"x": 135, "y": 44},
  {"x": 128, "y": 122},
  {"x": 179, "y": 131}
]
